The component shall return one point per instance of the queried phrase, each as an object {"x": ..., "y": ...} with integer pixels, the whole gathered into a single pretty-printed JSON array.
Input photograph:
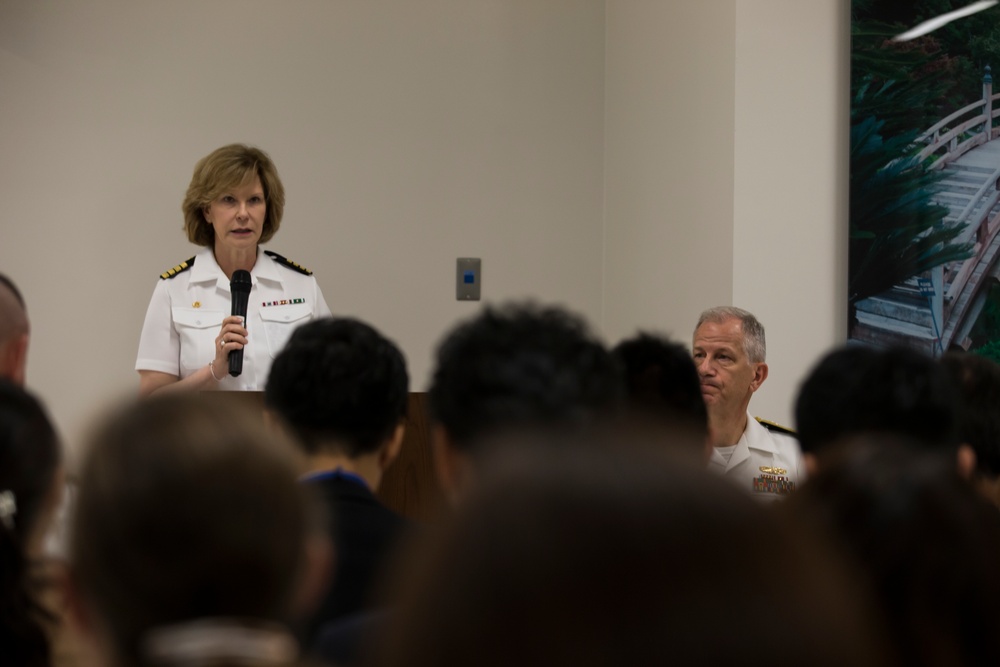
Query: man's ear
[
  {"x": 317, "y": 571},
  {"x": 965, "y": 460},
  {"x": 14, "y": 359},
  {"x": 759, "y": 375},
  {"x": 812, "y": 466},
  {"x": 390, "y": 452},
  {"x": 450, "y": 464},
  {"x": 272, "y": 422},
  {"x": 76, "y": 610}
]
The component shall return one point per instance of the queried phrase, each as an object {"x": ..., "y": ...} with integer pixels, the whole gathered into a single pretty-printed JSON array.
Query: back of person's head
[
  {"x": 188, "y": 514},
  {"x": 14, "y": 330},
  {"x": 29, "y": 479},
  {"x": 923, "y": 541},
  {"x": 521, "y": 366},
  {"x": 339, "y": 383},
  {"x": 857, "y": 389},
  {"x": 978, "y": 382},
  {"x": 619, "y": 556},
  {"x": 662, "y": 382}
]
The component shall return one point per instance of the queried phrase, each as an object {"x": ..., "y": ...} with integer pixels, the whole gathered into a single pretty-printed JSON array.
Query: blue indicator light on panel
[{"x": 469, "y": 277}]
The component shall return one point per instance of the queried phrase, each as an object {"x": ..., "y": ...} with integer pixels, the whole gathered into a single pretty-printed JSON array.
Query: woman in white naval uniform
[{"x": 234, "y": 203}]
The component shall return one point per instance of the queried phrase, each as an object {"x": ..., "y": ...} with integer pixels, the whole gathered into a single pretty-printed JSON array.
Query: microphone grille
[{"x": 240, "y": 282}]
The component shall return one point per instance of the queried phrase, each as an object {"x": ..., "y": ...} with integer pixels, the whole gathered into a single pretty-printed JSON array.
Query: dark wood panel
[{"x": 410, "y": 486}]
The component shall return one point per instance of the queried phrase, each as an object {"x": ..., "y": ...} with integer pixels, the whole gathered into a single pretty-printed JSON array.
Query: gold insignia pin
[
  {"x": 196, "y": 304},
  {"x": 768, "y": 470}
]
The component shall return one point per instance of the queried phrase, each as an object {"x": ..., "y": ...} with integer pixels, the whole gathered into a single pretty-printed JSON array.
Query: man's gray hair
[{"x": 754, "y": 345}]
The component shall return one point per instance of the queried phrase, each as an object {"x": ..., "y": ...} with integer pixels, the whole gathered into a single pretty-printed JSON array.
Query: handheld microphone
[{"x": 240, "y": 288}]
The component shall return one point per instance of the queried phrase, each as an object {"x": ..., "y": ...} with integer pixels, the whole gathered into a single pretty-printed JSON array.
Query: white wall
[
  {"x": 407, "y": 134},
  {"x": 636, "y": 160},
  {"x": 726, "y": 173},
  {"x": 668, "y": 165},
  {"x": 790, "y": 193}
]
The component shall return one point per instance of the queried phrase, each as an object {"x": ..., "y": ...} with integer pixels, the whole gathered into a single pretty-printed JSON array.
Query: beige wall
[
  {"x": 726, "y": 173},
  {"x": 629, "y": 159},
  {"x": 407, "y": 134},
  {"x": 668, "y": 164},
  {"x": 790, "y": 192}
]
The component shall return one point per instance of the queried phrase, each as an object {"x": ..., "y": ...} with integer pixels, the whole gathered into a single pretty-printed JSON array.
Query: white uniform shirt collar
[
  {"x": 754, "y": 436},
  {"x": 758, "y": 437},
  {"x": 206, "y": 269},
  {"x": 266, "y": 268}
]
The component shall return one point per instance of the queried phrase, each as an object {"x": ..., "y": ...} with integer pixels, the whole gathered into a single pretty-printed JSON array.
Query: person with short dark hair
[
  {"x": 978, "y": 381},
  {"x": 922, "y": 541},
  {"x": 14, "y": 332},
  {"x": 515, "y": 367},
  {"x": 760, "y": 456},
  {"x": 662, "y": 385},
  {"x": 856, "y": 390},
  {"x": 192, "y": 540},
  {"x": 30, "y": 490},
  {"x": 341, "y": 389},
  {"x": 234, "y": 203}
]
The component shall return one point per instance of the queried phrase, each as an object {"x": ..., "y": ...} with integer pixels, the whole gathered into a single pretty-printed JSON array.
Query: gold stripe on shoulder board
[
  {"x": 281, "y": 259},
  {"x": 183, "y": 266}
]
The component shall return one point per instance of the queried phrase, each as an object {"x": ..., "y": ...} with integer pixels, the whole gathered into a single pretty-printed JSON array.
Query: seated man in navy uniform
[{"x": 729, "y": 351}]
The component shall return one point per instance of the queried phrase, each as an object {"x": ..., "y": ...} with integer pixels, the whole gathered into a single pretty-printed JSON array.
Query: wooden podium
[{"x": 409, "y": 485}]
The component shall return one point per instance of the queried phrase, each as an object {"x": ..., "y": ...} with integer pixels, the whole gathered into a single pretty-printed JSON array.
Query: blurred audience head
[
  {"x": 922, "y": 540},
  {"x": 30, "y": 491},
  {"x": 620, "y": 556},
  {"x": 662, "y": 385},
  {"x": 516, "y": 367},
  {"x": 190, "y": 531},
  {"x": 14, "y": 332},
  {"x": 977, "y": 380},
  {"x": 341, "y": 387},
  {"x": 856, "y": 390}
]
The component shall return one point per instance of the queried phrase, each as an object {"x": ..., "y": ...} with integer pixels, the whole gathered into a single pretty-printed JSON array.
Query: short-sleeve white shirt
[
  {"x": 765, "y": 463},
  {"x": 186, "y": 313}
]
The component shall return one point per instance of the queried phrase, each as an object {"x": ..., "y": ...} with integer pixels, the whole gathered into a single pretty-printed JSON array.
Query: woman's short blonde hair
[{"x": 223, "y": 169}]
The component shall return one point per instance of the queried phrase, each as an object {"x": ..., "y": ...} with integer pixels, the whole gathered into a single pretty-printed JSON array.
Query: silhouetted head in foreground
[
  {"x": 621, "y": 556},
  {"x": 190, "y": 531},
  {"x": 516, "y": 368}
]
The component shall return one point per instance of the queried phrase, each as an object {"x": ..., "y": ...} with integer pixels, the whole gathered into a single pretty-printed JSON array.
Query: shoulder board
[
  {"x": 777, "y": 428},
  {"x": 180, "y": 268},
  {"x": 288, "y": 263}
]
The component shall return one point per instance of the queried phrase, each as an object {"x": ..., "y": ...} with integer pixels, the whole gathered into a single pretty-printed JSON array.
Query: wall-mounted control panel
[{"x": 468, "y": 279}]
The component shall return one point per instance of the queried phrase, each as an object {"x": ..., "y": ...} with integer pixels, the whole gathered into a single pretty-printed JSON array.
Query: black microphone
[{"x": 240, "y": 288}]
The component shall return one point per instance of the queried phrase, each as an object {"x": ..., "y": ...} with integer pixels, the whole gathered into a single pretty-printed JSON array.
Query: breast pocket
[
  {"x": 280, "y": 322},
  {"x": 197, "y": 329}
]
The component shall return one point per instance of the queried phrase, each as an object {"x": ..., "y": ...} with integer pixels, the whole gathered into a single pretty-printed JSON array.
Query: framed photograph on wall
[{"x": 925, "y": 175}]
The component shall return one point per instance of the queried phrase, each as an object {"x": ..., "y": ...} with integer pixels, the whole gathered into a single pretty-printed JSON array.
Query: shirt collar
[
  {"x": 758, "y": 436},
  {"x": 336, "y": 473},
  {"x": 266, "y": 268},
  {"x": 206, "y": 269}
]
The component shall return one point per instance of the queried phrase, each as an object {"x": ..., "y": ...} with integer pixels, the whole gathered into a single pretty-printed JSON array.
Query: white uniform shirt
[
  {"x": 766, "y": 464},
  {"x": 186, "y": 312}
]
